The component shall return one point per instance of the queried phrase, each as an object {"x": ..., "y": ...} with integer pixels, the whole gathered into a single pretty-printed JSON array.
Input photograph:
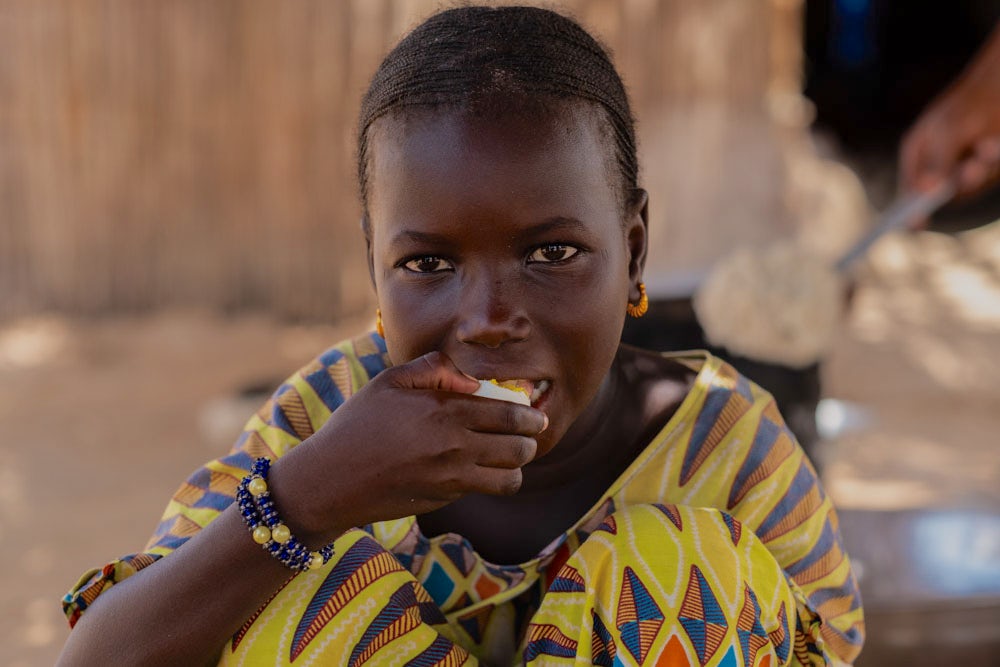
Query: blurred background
[{"x": 179, "y": 231}]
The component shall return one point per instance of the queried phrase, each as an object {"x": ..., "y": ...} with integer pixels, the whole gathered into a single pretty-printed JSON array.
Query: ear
[{"x": 637, "y": 239}]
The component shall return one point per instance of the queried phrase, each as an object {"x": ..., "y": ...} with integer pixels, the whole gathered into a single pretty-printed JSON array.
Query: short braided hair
[{"x": 478, "y": 58}]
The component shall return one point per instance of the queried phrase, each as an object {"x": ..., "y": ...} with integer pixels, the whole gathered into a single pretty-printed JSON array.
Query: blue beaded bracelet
[{"x": 266, "y": 528}]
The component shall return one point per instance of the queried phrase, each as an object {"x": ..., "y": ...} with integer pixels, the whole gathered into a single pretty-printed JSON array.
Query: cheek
[
  {"x": 416, "y": 321},
  {"x": 585, "y": 331},
  {"x": 593, "y": 309}
]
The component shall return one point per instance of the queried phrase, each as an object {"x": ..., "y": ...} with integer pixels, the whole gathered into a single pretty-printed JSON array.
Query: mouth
[
  {"x": 535, "y": 390},
  {"x": 539, "y": 391}
]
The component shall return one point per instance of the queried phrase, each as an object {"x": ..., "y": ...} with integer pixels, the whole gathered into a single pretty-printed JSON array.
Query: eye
[
  {"x": 552, "y": 252},
  {"x": 428, "y": 264}
]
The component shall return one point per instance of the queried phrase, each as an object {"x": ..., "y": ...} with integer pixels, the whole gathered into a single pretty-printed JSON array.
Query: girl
[{"x": 643, "y": 509}]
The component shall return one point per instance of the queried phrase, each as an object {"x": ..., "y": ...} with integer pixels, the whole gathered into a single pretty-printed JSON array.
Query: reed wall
[{"x": 180, "y": 152}]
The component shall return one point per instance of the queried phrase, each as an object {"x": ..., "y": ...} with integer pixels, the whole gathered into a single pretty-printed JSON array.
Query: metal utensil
[{"x": 903, "y": 211}]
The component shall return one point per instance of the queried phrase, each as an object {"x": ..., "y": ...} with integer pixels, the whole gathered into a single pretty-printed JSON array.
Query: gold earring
[
  {"x": 640, "y": 308},
  {"x": 378, "y": 322}
]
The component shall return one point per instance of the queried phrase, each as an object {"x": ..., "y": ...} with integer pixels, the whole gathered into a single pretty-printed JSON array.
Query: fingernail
[
  {"x": 469, "y": 376},
  {"x": 545, "y": 422}
]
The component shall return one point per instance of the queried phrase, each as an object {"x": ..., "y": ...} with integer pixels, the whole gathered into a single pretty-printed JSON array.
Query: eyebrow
[
  {"x": 555, "y": 224},
  {"x": 549, "y": 225},
  {"x": 412, "y": 236}
]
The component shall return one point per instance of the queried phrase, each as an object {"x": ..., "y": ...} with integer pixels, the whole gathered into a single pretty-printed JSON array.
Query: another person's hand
[
  {"x": 412, "y": 440},
  {"x": 957, "y": 137}
]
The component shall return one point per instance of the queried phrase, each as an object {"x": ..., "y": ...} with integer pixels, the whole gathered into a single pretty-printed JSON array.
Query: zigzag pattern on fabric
[{"x": 242, "y": 632}]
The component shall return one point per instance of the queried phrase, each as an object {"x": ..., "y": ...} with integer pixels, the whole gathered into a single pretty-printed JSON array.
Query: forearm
[
  {"x": 351, "y": 471},
  {"x": 183, "y": 608}
]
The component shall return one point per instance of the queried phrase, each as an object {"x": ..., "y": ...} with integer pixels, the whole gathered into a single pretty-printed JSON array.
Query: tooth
[{"x": 539, "y": 390}]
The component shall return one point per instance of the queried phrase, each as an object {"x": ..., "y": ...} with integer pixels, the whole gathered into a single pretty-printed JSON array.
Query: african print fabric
[{"x": 717, "y": 546}]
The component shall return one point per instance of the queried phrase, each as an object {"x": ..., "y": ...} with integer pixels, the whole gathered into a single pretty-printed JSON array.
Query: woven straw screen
[{"x": 181, "y": 152}]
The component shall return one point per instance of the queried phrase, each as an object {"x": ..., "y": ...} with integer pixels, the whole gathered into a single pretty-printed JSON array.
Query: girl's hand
[{"x": 411, "y": 441}]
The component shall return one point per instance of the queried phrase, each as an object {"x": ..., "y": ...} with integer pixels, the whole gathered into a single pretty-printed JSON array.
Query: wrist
[
  {"x": 300, "y": 498},
  {"x": 269, "y": 529}
]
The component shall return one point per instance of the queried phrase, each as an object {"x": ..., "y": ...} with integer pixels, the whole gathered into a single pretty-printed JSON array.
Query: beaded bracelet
[{"x": 265, "y": 525}]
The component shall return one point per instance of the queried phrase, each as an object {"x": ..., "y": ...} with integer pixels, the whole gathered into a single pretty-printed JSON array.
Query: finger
[
  {"x": 504, "y": 451},
  {"x": 972, "y": 173},
  {"x": 434, "y": 370},
  {"x": 923, "y": 177},
  {"x": 937, "y": 164},
  {"x": 987, "y": 153},
  {"x": 928, "y": 157},
  {"x": 493, "y": 416},
  {"x": 975, "y": 174},
  {"x": 988, "y": 150},
  {"x": 497, "y": 481}
]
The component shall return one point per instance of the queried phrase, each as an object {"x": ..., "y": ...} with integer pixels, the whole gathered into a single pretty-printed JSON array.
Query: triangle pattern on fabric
[
  {"x": 602, "y": 645},
  {"x": 456, "y": 553},
  {"x": 702, "y": 617},
  {"x": 569, "y": 580},
  {"x": 639, "y": 618}
]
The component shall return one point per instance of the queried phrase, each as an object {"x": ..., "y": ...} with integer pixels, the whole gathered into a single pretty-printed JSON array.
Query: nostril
[
  {"x": 493, "y": 333},
  {"x": 490, "y": 315},
  {"x": 491, "y": 337}
]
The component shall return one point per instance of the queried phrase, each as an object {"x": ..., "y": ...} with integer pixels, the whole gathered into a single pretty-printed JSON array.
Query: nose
[{"x": 491, "y": 314}]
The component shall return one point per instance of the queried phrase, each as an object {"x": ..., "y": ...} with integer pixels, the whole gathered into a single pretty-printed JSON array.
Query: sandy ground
[{"x": 101, "y": 420}]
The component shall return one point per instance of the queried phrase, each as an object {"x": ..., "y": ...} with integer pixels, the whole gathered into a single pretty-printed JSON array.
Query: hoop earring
[
  {"x": 378, "y": 323},
  {"x": 639, "y": 309}
]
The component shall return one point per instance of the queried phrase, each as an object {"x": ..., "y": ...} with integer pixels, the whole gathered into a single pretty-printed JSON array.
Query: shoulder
[
  {"x": 730, "y": 441},
  {"x": 722, "y": 425},
  {"x": 672, "y": 377},
  {"x": 641, "y": 365},
  {"x": 305, "y": 400},
  {"x": 698, "y": 370},
  {"x": 341, "y": 370}
]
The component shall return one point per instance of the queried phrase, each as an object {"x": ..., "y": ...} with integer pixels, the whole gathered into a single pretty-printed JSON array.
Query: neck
[{"x": 598, "y": 433}]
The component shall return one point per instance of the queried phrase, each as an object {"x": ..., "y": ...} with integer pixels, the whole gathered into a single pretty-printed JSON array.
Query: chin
[{"x": 547, "y": 442}]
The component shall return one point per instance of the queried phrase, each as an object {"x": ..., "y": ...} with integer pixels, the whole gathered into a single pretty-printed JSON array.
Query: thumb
[{"x": 434, "y": 370}]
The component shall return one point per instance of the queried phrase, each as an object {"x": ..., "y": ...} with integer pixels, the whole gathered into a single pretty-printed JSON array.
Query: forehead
[{"x": 446, "y": 163}]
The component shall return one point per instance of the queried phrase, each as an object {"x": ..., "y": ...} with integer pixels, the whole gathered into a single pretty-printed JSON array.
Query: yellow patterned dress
[{"x": 717, "y": 546}]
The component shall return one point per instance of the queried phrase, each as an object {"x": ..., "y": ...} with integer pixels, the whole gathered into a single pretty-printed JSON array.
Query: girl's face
[{"x": 501, "y": 243}]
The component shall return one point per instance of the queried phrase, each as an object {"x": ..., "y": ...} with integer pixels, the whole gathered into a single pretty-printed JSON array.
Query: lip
[{"x": 539, "y": 402}]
